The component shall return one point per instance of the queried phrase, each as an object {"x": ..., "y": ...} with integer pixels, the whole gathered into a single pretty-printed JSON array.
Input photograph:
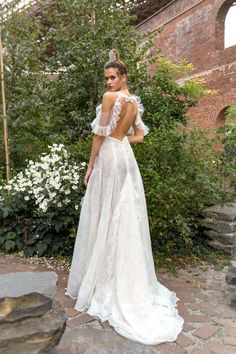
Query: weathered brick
[
  {"x": 71, "y": 312},
  {"x": 230, "y": 341},
  {"x": 230, "y": 332},
  {"x": 106, "y": 325},
  {"x": 194, "y": 30},
  {"x": 80, "y": 320},
  {"x": 219, "y": 348},
  {"x": 187, "y": 327},
  {"x": 183, "y": 341},
  {"x": 169, "y": 348},
  {"x": 206, "y": 331},
  {"x": 200, "y": 351}
]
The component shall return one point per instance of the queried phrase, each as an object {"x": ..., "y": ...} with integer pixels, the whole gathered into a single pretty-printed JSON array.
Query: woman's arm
[
  {"x": 97, "y": 142},
  {"x": 138, "y": 136},
  {"x": 107, "y": 103}
]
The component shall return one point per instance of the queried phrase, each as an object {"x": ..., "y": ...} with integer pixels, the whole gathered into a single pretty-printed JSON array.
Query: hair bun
[{"x": 114, "y": 55}]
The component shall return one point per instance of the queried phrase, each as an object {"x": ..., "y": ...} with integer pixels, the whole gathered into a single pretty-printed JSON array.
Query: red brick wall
[{"x": 194, "y": 30}]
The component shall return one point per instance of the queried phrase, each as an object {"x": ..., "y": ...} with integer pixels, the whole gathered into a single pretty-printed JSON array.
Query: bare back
[{"x": 127, "y": 117}]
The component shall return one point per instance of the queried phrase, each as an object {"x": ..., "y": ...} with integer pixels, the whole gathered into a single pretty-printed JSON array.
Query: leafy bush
[
  {"x": 182, "y": 175},
  {"x": 54, "y": 69},
  {"x": 39, "y": 207},
  {"x": 227, "y": 135},
  {"x": 165, "y": 100}
]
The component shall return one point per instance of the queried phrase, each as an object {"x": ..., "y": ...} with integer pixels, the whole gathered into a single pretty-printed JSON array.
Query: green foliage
[
  {"x": 165, "y": 100},
  {"x": 182, "y": 175},
  {"x": 227, "y": 134},
  {"x": 25, "y": 84},
  {"x": 54, "y": 69}
]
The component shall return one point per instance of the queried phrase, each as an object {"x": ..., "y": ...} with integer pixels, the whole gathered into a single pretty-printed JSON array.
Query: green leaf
[
  {"x": 6, "y": 212},
  {"x": 9, "y": 245},
  {"x": 41, "y": 248},
  {"x": 10, "y": 235}
]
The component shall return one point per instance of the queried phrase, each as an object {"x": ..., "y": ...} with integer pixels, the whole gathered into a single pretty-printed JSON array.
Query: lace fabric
[
  {"x": 112, "y": 273},
  {"x": 105, "y": 123}
]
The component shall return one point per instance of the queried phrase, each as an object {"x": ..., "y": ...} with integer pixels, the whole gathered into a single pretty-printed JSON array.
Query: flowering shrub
[{"x": 39, "y": 207}]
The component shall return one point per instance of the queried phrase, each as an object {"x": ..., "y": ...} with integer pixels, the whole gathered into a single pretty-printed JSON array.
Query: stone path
[{"x": 210, "y": 324}]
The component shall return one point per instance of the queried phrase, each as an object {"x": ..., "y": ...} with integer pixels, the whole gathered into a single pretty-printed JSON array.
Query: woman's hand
[{"x": 87, "y": 176}]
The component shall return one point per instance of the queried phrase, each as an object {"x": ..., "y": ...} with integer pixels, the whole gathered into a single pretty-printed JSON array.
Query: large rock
[
  {"x": 30, "y": 305},
  {"x": 227, "y": 239},
  {"x": 229, "y": 250},
  {"x": 30, "y": 321},
  {"x": 220, "y": 227},
  {"x": 36, "y": 333},
  {"x": 22, "y": 283},
  {"x": 92, "y": 340},
  {"x": 225, "y": 212}
]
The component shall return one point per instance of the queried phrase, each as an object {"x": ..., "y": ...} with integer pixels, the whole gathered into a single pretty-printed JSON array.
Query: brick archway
[
  {"x": 221, "y": 118},
  {"x": 220, "y": 23}
]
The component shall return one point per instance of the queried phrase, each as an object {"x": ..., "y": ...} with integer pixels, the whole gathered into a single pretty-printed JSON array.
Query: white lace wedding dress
[{"x": 112, "y": 273}]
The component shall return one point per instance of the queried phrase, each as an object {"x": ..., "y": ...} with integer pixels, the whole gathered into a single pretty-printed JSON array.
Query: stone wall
[
  {"x": 194, "y": 30},
  {"x": 219, "y": 225}
]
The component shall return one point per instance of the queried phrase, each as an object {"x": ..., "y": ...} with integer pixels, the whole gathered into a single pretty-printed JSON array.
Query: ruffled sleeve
[
  {"x": 105, "y": 123},
  {"x": 138, "y": 120}
]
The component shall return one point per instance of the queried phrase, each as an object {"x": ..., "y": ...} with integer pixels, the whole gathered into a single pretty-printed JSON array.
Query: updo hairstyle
[{"x": 116, "y": 63}]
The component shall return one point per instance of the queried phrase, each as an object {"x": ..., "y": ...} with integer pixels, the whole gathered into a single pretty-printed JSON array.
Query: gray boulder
[
  {"x": 225, "y": 212},
  {"x": 30, "y": 321},
  {"x": 219, "y": 225}
]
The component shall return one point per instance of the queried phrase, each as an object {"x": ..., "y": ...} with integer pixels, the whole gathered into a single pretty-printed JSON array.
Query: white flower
[
  {"x": 43, "y": 206},
  {"x": 48, "y": 180},
  {"x": 76, "y": 207}
]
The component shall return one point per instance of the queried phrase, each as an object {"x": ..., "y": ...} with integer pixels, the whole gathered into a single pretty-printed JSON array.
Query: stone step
[
  {"x": 227, "y": 249},
  {"x": 219, "y": 225},
  {"x": 93, "y": 340},
  {"x": 23, "y": 283},
  {"x": 30, "y": 305},
  {"x": 226, "y": 238},
  {"x": 225, "y": 212},
  {"x": 33, "y": 334},
  {"x": 30, "y": 321}
]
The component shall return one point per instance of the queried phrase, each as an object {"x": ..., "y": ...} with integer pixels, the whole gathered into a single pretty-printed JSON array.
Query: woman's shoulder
[
  {"x": 129, "y": 97},
  {"x": 108, "y": 100},
  {"x": 109, "y": 96}
]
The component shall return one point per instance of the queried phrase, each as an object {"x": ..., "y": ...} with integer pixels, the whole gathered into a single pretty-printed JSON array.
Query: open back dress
[{"x": 112, "y": 273}]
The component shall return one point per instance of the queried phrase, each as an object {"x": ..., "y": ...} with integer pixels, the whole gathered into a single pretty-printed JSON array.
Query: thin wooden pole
[{"x": 5, "y": 126}]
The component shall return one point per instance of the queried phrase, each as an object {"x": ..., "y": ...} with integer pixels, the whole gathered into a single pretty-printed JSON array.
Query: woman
[{"x": 112, "y": 273}]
